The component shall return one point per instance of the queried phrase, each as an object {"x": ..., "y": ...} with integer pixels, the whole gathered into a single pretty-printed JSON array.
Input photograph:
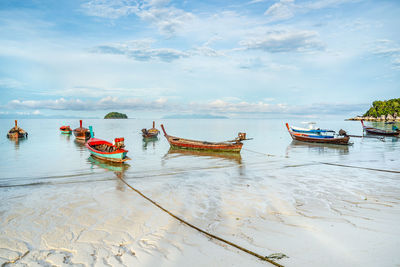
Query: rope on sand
[
  {"x": 200, "y": 230},
  {"x": 333, "y": 164}
]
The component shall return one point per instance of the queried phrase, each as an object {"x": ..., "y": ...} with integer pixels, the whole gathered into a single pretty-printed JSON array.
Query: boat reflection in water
[
  {"x": 317, "y": 148},
  {"x": 17, "y": 141},
  {"x": 116, "y": 167},
  {"x": 231, "y": 156},
  {"x": 149, "y": 142}
]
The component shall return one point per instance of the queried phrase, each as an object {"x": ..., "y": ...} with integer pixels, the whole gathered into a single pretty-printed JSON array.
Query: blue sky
[{"x": 256, "y": 58}]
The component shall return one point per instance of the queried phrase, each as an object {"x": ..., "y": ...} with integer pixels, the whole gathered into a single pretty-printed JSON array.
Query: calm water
[{"x": 289, "y": 190}]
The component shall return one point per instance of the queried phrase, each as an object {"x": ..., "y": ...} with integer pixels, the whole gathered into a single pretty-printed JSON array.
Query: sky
[{"x": 240, "y": 59}]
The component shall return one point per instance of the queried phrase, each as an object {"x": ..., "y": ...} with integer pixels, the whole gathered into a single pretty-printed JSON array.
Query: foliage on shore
[
  {"x": 387, "y": 107},
  {"x": 115, "y": 115}
]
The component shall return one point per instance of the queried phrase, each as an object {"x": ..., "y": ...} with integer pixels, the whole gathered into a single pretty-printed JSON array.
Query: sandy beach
[{"x": 334, "y": 221}]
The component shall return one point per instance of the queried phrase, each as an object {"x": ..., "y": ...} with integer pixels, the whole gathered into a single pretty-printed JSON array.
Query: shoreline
[{"x": 388, "y": 118}]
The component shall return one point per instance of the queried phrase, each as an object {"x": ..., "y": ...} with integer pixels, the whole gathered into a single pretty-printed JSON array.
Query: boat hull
[
  {"x": 318, "y": 139},
  {"x": 119, "y": 155},
  {"x": 82, "y": 134},
  {"x": 66, "y": 132},
  {"x": 17, "y": 135},
  {"x": 375, "y": 131},
  {"x": 176, "y": 142}
]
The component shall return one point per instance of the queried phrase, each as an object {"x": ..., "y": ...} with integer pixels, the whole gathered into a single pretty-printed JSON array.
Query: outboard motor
[{"x": 342, "y": 132}]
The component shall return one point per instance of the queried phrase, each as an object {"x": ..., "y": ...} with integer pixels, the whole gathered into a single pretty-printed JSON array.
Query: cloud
[
  {"x": 227, "y": 106},
  {"x": 285, "y": 41},
  {"x": 141, "y": 50},
  {"x": 159, "y": 13},
  {"x": 10, "y": 83},
  {"x": 388, "y": 49},
  {"x": 286, "y": 9},
  {"x": 105, "y": 103}
]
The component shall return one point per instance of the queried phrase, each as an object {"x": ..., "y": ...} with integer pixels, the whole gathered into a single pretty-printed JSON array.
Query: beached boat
[
  {"x": 318, "y": 138},
  {"x": 227, "y": 146},
  {"x": 105, "y": 150},
  {"x": 81, "y": 134},
  {"x": 65, "y": 129},
  {"x": 16, "y": 132},
  {"x": 150, "y": 133},
  {"x": 376, "y": 131}
]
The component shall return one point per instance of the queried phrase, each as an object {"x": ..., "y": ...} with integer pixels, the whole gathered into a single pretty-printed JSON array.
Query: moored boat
[
  {"x": 318, "y": 138},
  {"x": 376, "y": 131},
  {"x": 227, "y": 146},
  {"x": 105, "y": 150},
  {"x": 81, "y": 134},
  {"x": 65, "y": 129},
  {"x": 150, "y": 133},
  {"x": 16, "y": 132}
]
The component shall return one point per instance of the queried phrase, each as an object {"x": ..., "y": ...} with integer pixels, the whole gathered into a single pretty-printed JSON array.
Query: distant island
[
  {"x": 388, "y": 110},
  {"x": 194, "y": 116},
  {"x": 115, "y": 115}
]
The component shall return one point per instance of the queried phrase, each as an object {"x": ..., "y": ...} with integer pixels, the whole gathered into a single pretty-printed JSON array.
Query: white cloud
[
  {"x": 159, "y": 13},
  {"x": 141, "y": 50},
  {"x": 286, "y": 9},
  {"x": 285, "y": 41},
  {"x": 10, "y": 83},
  {"x": 225, "y": 106}
]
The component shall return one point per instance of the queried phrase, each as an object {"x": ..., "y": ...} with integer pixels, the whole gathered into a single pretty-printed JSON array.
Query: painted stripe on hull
[
  {"x": 117, "y": 157},
  {"x": 233, "y": 148}
]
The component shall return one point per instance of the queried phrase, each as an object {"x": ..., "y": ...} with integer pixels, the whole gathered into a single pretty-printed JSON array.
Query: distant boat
[
  {"x": 105, "y": 150},
  {"x": 150, "y": 133},
  {"x": 375, "y": 131},
  {"x": 227, "y": 146},
  {"x": 65, "y": 129},
  {"x": 81, "y": 134},
  {"x": 16, "y": 132},
  {"x": 317, "y": 137}
]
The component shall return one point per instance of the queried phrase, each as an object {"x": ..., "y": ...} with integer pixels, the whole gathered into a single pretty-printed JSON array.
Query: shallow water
[{"x": 66, "y": 207}]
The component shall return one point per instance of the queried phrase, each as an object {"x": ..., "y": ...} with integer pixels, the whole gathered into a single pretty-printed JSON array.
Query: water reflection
[
  {"x": 79, "y": 144},
  {"x": 317, "y": 148},
  {"x": 118, "y": 169},
  {"x": 17, "y": 141},
  {"x": 147, "y": 142},
  {"x": 65, "y": 136},
  {"x": 176, "y": 152}
]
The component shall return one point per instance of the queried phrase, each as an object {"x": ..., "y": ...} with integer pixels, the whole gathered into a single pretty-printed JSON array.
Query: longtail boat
[
  {"x": 16, "y": 132},
  {"x": 372, "y": 130},
  {"x": 150, "y": 133},
  {"x": 318, "y": 138},
  {"x": 105, "y": 150},
  {"x": 227, "y": 146},
  {"x": 81, "y": 134},
  {"x": 65, "y": 129}
]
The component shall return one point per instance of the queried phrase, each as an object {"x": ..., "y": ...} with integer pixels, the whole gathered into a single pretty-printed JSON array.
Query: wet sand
[{"x": 338, "y": 219}]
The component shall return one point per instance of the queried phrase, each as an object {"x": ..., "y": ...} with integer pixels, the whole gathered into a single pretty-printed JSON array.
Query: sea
[{"x": 313, "y": 204}]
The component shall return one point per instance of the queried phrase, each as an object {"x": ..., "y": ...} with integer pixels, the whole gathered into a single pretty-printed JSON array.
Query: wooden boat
[
  {"x": 16, "y": 132},
  {"x": 318, "y": 138},
  {"x": 65, "y": 129},
  {"x": 105, "y": 150},
  {"x": 227, "y": 146},
  {"x": 81, "y": 134},
  {"x": 372, "y": 130},
  {"x": 150, "y": 133}
]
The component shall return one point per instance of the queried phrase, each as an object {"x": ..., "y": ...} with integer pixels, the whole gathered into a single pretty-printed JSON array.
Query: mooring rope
[
  {"x": 358, "y": 167},
  {"x": 332, "y": 164},
  {"x": 264, "y": 258}
]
